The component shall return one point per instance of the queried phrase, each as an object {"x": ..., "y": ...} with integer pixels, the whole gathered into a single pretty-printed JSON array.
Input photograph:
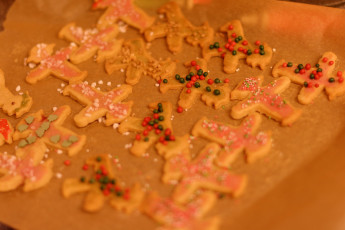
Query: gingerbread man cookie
[
  {"x": 314, "y": 79},
  {"x": 266, "y": 100},
  {"x": 237, "y": 47},
  {"x": 196, "y": 84},
  {"x": 99, "y": 104},
  {"x": 53, "y": 64},
  {"x": 150, "y": 129},
  {"x": 175, "y": 216},
  {"x": 102, "y": 186},
  {"x": 6, "y": 131},
  {"x": 175, "y": 27},
  {"x": 92, "y": 42},
  {"x": 48, "y": 129},
  {"x": 124, "y": 10},
  {"x": 137, "y": 61},
  {"x": 13, "y": 104},
  {"x": 201, "y": 173},
  {"x": 234, "y": 140},
  {"x": 26, "y": 168}
]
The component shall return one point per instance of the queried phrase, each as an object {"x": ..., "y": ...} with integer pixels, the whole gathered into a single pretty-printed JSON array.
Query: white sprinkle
[
  {"x": 155, "y": 160},
  {"x": 45, "y": 155},
  {"x": 191, "y": 146},
  {"x": 58, "y": 175},
  {"x": 59, "y": 151},
  {"x": 172, "y": 117},
  {"x": 146, "y": 155},
  {"x": 100, "y": 82},
  {"x": 93, "y": 84},
  {"x": 157, "y": 85},
  {"x": 31, "y": 65},
  {"x": 18, "y": 88},
  {"x": 115, "y": 125},
  {"x": 86, "y": 82},
  {"x": 108, "y": 83},
  {"x": 62, "y": 85},
  {"x": 126, "y": 133},
  {"x": 20, "y": 93},
  {"x": 238, "y": 69},
  {"x": 54, "y": 109},
  {"x": 274, "y": 49},
  {"x": 42, "y": 162},
  {"x": 87, "y": 150},
  {"x": 119, "y": 85},
  {"x": 47, "y": 150},
  {"x": 173, "y": 182},
  {"x": 122, "y": 70},
  {"x": 128, "y": 146},
  {"x": 25, "y": 61},
  {"x": 99, "y": 88},
  {"x": 161, "y": 16},
  {"x": 100, "y": 120},
  {"x": 72, "y": 44}
]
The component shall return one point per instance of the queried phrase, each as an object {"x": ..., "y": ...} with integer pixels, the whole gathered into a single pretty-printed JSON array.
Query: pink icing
[
  {"x": 202, "y": 173},
  {"x": 235, "y": 138},
  {"x": 5, "y": 129},
  {"x": 92, "y": 38},
  {"x": 102, "y": 101},
  {"x": 264, "y": 96},
  {"x": 56, "y": 62}
]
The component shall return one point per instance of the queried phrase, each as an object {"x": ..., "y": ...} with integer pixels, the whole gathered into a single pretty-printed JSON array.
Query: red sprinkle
[
  {"x": 210, "y": 81},
  {"x": 67, "y": 162},
  {"x": 189, "y": 85},
  {"x": 231, "y": 27},
  {"x": 325, "y": 59},
  {"x": 188, "y": 91},
  {"x": 256, "y": 51},
  {"x": 172, "y": 137},
  {"x": 144, "y": 123},
  {"x": 157, "y": 131},
  {"x": 202, "y": 77},
  {"x": 147, "y": 119},
  {"x": 233, "y": 35},
  {"x": 231, "y": 48},
  {"x": 179, "y": 109},
  {"x": 310, "y": 84},
  {"x": 197, "y": 67},
  {"x": 302, "y": 71},
  {"x": 106, "y": 192},
  {"x": 193, "y": 78},
  {"x": 340, "y": 80},
  {"x": 145, "y": 132},
  {"x": 222, "y": 55},
  {"x": 307, "y": 66},
  {"x": 227, "y": 45},
  {"x": 226, "y": 80},
  {"x": 331, "y": 63},
  {"x": 159, "y": 81},
  {"x": 240, "y": 49},
  {"x": 257, "y": 43},
  {"x": 316, "y": 85},
  {"x": 161, "y": 139},
  {"x": 155, "y": 116},
  {"x": 339, "y": 73},
  {"x": 284, "y": 64},
  {"x": 245, "y": 43},
  {"x": 137, "y": 137},
  {"x": 167, "y": 132},
  {"x": 193, "y": 63},
  {"x": 85, "y": 167},
  {"x": 220, "y": 49},
  {"x": 149, "y": 128},
  {"x": 320, "y": 74}
]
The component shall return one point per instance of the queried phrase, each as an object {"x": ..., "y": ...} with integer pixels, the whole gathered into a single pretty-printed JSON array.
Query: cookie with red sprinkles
[
  {"x": 176, "y": 28},
  {"x": 314, "y": 79},
  {"x": 237, "y": 47},
  {"x": 197, "y": 83},
  {"x": 264, "y": 99},
  {"x": 103, "y": 186}
]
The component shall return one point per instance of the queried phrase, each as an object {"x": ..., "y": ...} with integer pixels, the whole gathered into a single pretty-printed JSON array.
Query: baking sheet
[{"x": 298, "y": 32}]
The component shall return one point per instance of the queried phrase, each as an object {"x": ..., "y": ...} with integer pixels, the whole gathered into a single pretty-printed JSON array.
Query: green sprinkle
[
  {"x": 29, "y": 119},
  {"x": 22, "y": 143},
  {"x": 239, "y": 38},
  {"x": 99, "y": 171},
  {"x": 331, "y": 80},
  {"x": 319, "y": 70},
  {"x": 191, "y": 74},
  {"x": 146, "y": 139},
  {"x": 205, "y": 74},
  {"x": 249, "y": 52},
  {"x": 82, "y": 179},
  {"x": 113, "y": 181},
  {"x": 161, "y": 118},
  {"x": 91, "y": 181},
  {"x": 167, "y": 138},
  {"x": 165, "y": 81},
  {"x": 261, "y": 47},
  {"x": 196, "y": 84},
  {"x": 284, "y": 101},
  {"x": 160, "y": 109},
  {"x": 55, "y": 139},
  {"x": 102, "y": 187},
  {"x": 200, "y": 72},
  {"x": 211, "y": 47},
  {"x": 289, "y": 64},
  {"x": 297, "y": 70},
  {"x": 177, "y": 77},
  {"x": 208, "y": 89},
  {"x": 216, "y": 92},
  {"x": 159, "y": 105},
  {"x": 119, "y": 193},
  {"x": 98, "y": 159},
  {"x": 300, "y": 66},
  {"x": 156, "y": 121},
  {"x": 305, "y": 84},
  {"x": 317, "y": 65},
  {"x": 52, "y": 117},
  {"x": 73, "y": 139},
  {"x": 45, "y": 125},
  {"x": 188, "y": 78},
  {"x": 160, "y": 127},
  {"x": 31, "y": 139},
  {"x": 22, "y": 128},
  {"x": 40, "y": 132},
  {"x": 151, "y": 123},
  {"x": 66, "y": 143},
  {"x": 216, "y": 45},
  {"x": 312, "y": 76},
  {"x": 262, "y": 52},
  {"x": 182, "y": 80},
  {"x": 155, "y": 111},
  {"x": 234, "y": 52},
  {"x": 217, "y": 81}
]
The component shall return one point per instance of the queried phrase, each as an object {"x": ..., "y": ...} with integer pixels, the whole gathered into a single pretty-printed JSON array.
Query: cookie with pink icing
[
  {"x": 26, "y": 168},
  {"x": 49, "y": 129},
  {"x": 55, "y": 64},
  {"x": 6, "y": 131},
  {"x": 201, "y": 173},
  {"x": 99, "y": 104},
  {"x": 237, "y": 47},
  {"x": 314, "y": 79},
  {"x": 235, "y": 139},
  {"x": 103, "y": 186},
  {"x": 137, "y": 61},
  {"x": 197, "y": 84},
  {"x": 172, "y": 215},
  {"x": 176, "y": 28},
  {"x": 98, "y": 43},
  {"x": 13, "y": 104},
  {"x": 124, "y": 10},
  {"x": 264, "y": 99}
]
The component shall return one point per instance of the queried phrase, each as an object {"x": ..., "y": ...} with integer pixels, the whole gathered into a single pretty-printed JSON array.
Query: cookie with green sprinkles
[
  {"x": 264, "y": 99},
  {"x": 25, "y": 168},
  {"x": 13, "y": 104},
  {"x": 49, "y": 129},
  {"x": 198, "y": 84},
  {"x": 314, "y": 79},
  {"x": 237, "y": 47},
  {"x": 103, "y": 186}
]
